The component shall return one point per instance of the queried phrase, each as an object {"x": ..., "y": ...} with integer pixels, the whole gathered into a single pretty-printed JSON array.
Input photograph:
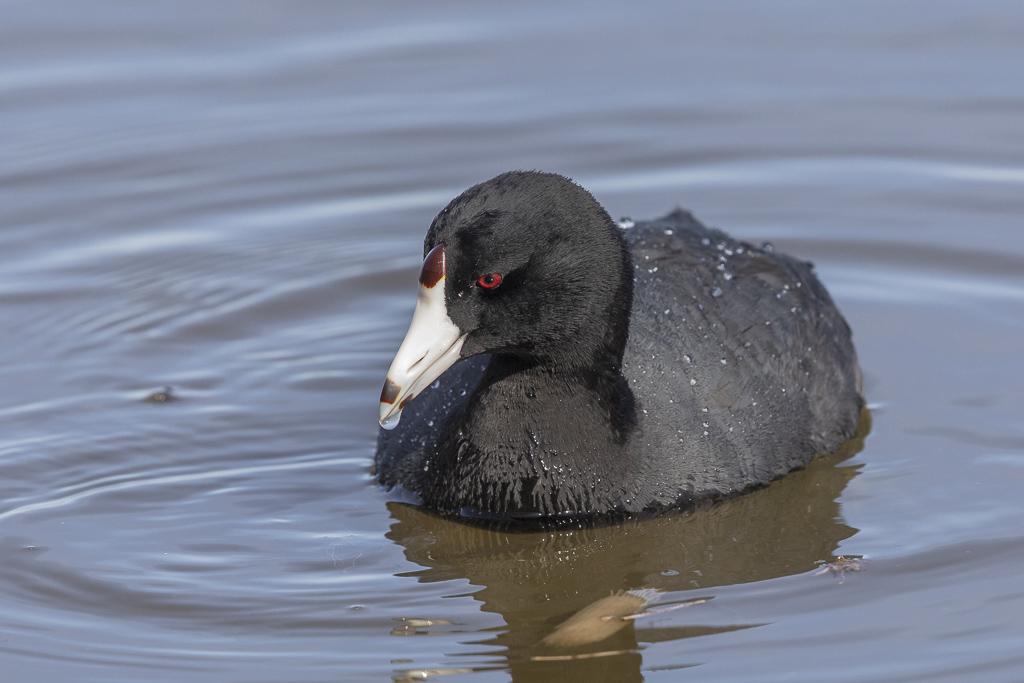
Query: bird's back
[{"x": 741, "y": 366}]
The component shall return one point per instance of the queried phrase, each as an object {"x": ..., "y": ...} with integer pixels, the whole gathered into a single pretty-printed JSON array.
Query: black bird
[{"x": 602, "y": 371}]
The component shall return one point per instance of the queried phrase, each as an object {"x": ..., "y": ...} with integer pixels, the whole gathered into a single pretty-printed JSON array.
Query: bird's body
[{"x": 623, "y": 371}]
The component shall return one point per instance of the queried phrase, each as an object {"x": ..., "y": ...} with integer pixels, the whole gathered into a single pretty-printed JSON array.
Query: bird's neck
[{"x": 536, "y": 440}]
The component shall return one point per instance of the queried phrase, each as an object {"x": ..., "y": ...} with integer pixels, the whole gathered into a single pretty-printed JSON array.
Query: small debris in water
[
  {"x": 424, "y": 674},
  {"x": 166, "y": 395},
  {"x": 410, "y": 627},
  {"x": 596, "y": 621},
  {"x": 603, "y": 618},
  {"x": 841, "y": 565}
]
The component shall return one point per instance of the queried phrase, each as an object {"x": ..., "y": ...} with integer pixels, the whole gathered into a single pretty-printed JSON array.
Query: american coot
[{"x": 559, "y": 367}]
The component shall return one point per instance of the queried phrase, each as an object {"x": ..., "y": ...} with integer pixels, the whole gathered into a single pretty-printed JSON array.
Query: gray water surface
[{"x": 228, "y": 200}]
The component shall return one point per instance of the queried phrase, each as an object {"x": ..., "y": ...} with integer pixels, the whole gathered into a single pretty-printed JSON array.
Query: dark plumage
[{"x": 616, "y": 371}]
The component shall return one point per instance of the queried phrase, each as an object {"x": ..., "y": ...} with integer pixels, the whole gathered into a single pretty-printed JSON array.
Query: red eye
[{"x": 489, "y": 281}]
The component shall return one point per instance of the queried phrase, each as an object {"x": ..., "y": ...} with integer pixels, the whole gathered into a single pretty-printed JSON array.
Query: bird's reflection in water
[{"x": 574, "y": 600}]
